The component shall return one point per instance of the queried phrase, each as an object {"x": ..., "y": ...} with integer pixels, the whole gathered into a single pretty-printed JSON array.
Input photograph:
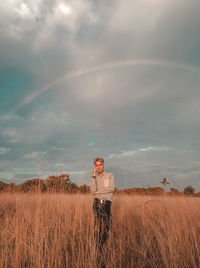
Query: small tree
[
  {"x": 43, "y": 187},
  {"x": 189, "y": 190},
  {"x": 71, "y": 186},
  {"x": 175, "y": 191},
  {"x": 84, "y": 188}
]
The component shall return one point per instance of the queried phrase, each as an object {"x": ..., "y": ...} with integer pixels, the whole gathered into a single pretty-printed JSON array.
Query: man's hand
[
  {"x": 94, "y": 171},
  {"x": 96, "y": 192}
]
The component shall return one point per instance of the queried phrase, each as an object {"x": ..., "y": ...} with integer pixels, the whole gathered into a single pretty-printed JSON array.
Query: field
[{"x": 56, "y": 230}]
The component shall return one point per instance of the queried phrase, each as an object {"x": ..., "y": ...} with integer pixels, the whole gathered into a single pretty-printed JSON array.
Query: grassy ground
[{"x": 56, "y": 230}]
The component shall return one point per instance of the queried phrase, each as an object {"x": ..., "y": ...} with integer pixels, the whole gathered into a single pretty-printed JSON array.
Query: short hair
[{"x": 99, "y": 159}]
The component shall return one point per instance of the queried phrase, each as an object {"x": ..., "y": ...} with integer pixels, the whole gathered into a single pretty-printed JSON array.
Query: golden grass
[{"x": 56, "y": 230}]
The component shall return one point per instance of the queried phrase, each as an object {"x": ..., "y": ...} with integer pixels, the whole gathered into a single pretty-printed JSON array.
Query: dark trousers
[{"x": 102, "y": 222}]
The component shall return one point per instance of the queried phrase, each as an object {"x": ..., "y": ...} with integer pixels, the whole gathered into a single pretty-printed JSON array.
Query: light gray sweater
[{"x": 104, "y": 185}]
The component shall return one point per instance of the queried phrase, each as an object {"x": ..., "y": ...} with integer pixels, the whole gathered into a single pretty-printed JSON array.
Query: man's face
[{"x": 99, "y": 166}]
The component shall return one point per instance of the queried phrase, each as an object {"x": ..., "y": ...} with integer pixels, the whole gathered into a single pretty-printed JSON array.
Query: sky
[{"x": 113, "y": 79}]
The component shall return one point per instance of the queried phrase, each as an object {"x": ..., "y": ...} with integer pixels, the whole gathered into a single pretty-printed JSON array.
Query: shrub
[{"x": 189, "y": 190}]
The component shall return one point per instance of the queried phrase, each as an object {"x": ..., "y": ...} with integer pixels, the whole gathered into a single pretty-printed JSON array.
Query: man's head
[{"x": 99, "y": 164}]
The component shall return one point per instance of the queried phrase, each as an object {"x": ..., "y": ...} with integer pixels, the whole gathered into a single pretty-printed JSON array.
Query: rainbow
[{"x": 110, "y": 65}]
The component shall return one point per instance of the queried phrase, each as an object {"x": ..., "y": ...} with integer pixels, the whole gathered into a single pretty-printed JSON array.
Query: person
[{"x": 102, "y": 185}]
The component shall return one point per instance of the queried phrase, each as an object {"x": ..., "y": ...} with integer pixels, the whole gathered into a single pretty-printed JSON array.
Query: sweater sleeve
[
  {"x": 92, "y": 185},
  {"x": 110, "y": 188}
]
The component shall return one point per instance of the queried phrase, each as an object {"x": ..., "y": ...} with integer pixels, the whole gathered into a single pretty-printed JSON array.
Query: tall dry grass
[{"x": 56, "y": 230}]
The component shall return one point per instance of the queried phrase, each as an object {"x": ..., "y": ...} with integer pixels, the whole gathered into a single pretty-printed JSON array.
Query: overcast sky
[{"x": 116, "y": 79}]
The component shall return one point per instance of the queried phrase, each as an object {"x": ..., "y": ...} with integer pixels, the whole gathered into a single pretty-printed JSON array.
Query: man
[{"x": 102, "y": 185}]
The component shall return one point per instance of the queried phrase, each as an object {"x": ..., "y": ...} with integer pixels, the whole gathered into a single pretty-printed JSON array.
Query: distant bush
[
  {"x": 71, "y": 186},
  {"x": 189, "y": 190},
  {"x": 174, "y": 191},
  {"x": 28, "y": 182},
  {"x": 43, "y": 187},
  {"x": 84, "y": 188}
]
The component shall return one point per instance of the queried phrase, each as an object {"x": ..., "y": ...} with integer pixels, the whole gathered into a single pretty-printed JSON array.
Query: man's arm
[
  {"x": 111, "y": 187},
  {"x": 93, "y": 187}
]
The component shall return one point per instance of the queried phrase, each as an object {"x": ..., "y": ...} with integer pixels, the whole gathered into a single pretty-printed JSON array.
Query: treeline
[
  {"x": 188, "y": 191},
  {"x": 54, "y": 184},
  {"x": 63, "y": 184}
]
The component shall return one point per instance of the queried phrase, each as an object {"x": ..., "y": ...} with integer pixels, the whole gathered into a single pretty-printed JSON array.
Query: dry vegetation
[{"x": 56, "y": 230}]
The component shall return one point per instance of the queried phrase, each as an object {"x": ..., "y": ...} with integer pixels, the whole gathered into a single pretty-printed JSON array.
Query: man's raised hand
[{"x": 94, "y": 171}]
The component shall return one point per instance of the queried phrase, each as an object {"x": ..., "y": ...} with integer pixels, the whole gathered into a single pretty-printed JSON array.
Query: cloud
[
  {"x": 12, "y": 134},
  {"x": 34, "y": 155},
  {"x": 4, "y": 150},
  {"x": 37, "y": 127},
  {"x": 57, "y": 149},
  {"x": 59, "y": 165},
  {"x": 135, "y": 17},
  {"x": 130, "y": 153},
  {"x": 153, "y": 148}
]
